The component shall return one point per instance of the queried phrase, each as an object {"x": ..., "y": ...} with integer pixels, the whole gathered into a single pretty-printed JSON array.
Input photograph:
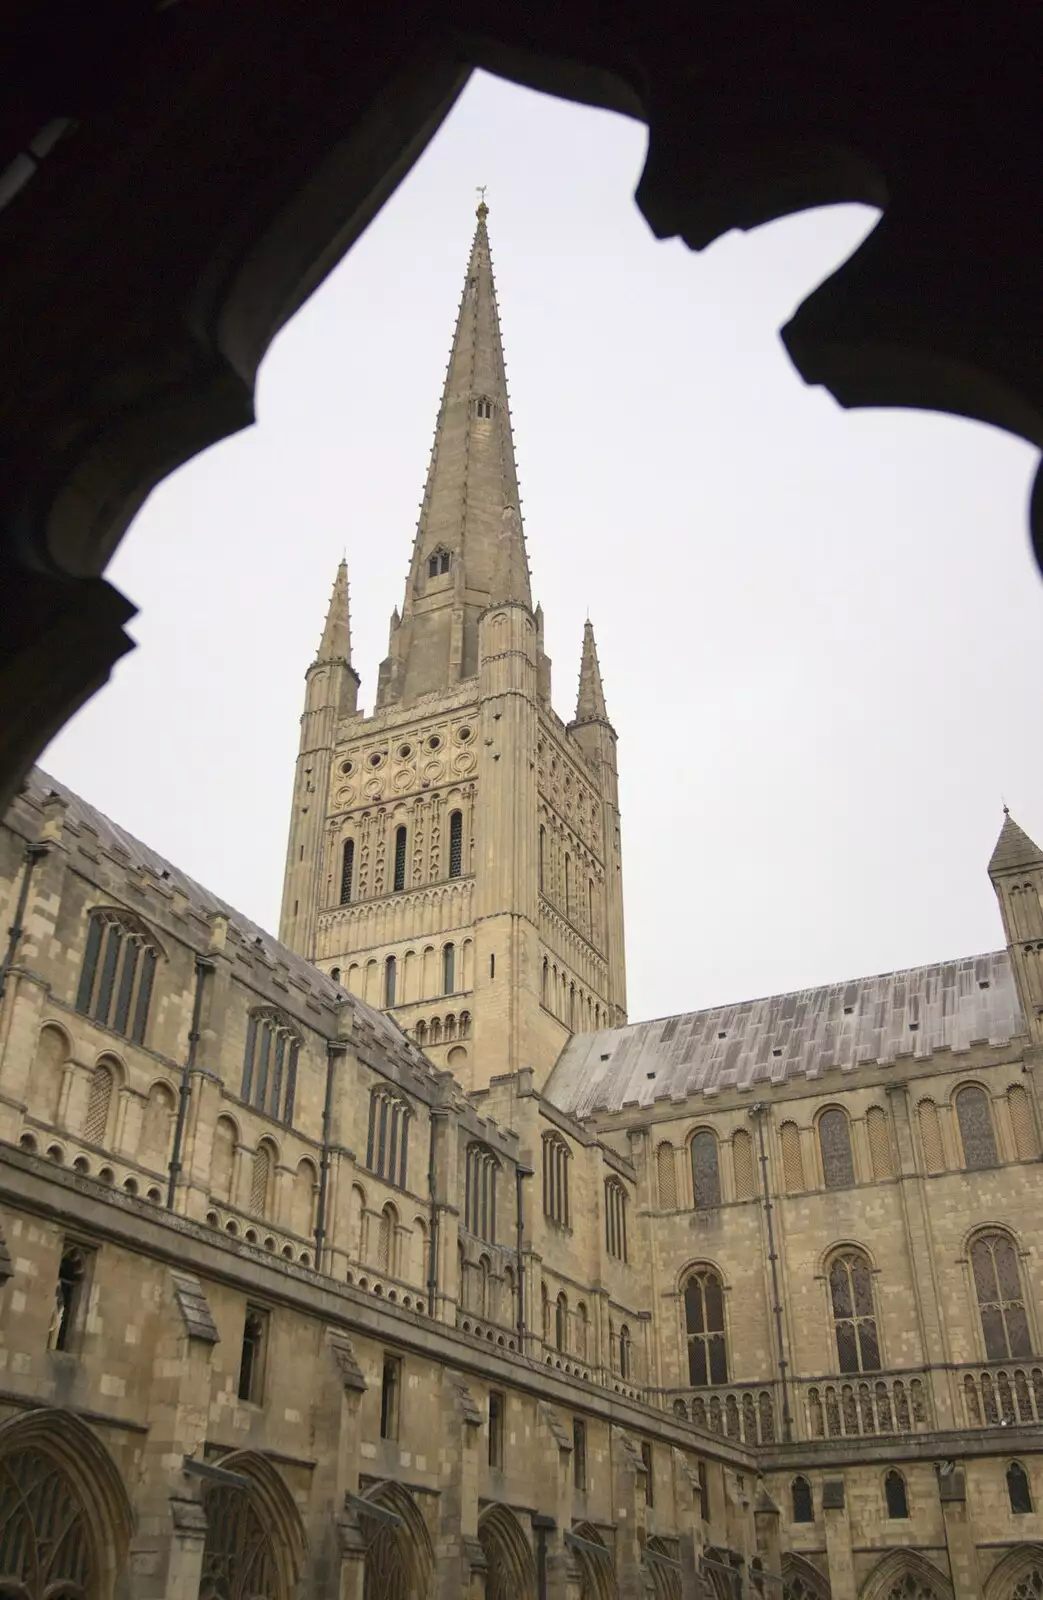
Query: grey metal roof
[
  {"x": 955, "y": 1004},
  {"x": 370, "y": 1023}
]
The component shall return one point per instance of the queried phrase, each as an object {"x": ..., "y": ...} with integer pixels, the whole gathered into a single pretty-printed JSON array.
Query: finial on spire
[{"x": 483, "y": 210}]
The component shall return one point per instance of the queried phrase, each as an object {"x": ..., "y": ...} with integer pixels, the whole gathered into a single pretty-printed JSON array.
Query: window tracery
[
  {"x": 706, "y": 1176},
  {"x": 238, "y": 1559},
  {"x": 1001, "y": 1301},
  {"x": 834, "y": 1138},
  {"x": 704, "y": 1326},
  {"x": 976, "y": 1132},
  {"x": 854, "y": 1317},
  {"x": 46, "y": 1548}
]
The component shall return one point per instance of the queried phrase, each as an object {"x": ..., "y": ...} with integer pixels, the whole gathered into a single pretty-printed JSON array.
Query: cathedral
[{"x": 387, "y": 1260}]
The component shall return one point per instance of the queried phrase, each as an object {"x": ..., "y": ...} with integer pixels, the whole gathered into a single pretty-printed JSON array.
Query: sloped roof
[
  {"x": 1014, "y": 849},
  {"x": 370, "y": 1023},
  {"x": 848, "y": 1025}
]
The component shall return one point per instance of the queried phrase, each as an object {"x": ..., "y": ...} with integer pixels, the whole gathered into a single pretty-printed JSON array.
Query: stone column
[
  {"x": 959, "y": 1535},
  {"x": 461, "y": 1561},
  {"x": 554, "y": 1455},
  {"x": 838, "y": 1540},
  {"x": 339, "y": 1559},
  {"x": 690, "y": 1512},
  {"x": 628, "y": 1503}
]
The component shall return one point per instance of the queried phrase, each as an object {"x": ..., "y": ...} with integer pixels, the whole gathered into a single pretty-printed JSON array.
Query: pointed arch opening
[
  {"x": 65, "y": 1517},
  {"x": 510, "y": 1569},
  {"x": 255, "y": 1544},
  {"x": 399, "y": 1556}
]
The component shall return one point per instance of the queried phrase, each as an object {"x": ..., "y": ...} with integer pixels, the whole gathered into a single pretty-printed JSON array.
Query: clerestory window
[{"x": 119, "y": 966}]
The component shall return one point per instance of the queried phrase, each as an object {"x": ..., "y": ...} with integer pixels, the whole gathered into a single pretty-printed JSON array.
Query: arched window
[
  {"x": 706, "y": 1176},
  {"x": 792, "y": 1158},
  {"x": 436, "y": 1030},
  {"x": 261, "y": 1181},
  {"x": 390, "y": 980},
  {"x": 456, "y": 844},
  {"x": 556, "y": 1155},
  {"x": 590, "y": 906},
  {"x": 854, "y": 1319},
  {"x": 931, "y": 1136},
  {"x": 568, "y": 883},
  {"x": 480, "y": 1193},
  {"x": 616, "y": 1219},
  {"x": 542, "y": 855},
  {"x": 976, "y": 1134},
  {"x": 572, "y": 1007},
  {"x": 119, "y": 966},
  {"x": 895, "y": 1495},
  {"x": 437, "y": 562},
  {"x": 387, "y": 1241},
  {"x": 448, "y": 968},
  {"x": 624, "y": 1352},
  {"x": 222, "y": 1159},
  {"x": 1018, "y": 1489},
  {"x": 347, "y": 870},
  {"x": 545, "y": 1312},
  {"x": 1001, "y": 1302},
  {"x": 834, "y": 1142},
  {"x": 239, "y": 1542},
  {"x": 803, "y": 1503},
  {"x": 387, "y": 1142},
  {"x": 450, "y": 1027},
  {"x": 421, "y": 1033},
  {"x": 561, "y": 1323},
  {"x": 96, "y": 1121},
  {"x": 879, "y": 1142},
  {"x": 544, "y": 970},
  {"x": 1022, "y": 1123},
  {"x": 465, "y": 1024},
  {"x": 582, "y": 1332},
  {"x": 743, "y": 1169},
  {"x": 482, "y": 1287},
  {"x": 666, "y": 1174},
  {"x": 400, "y": 860},
  {"x": 483, "y": 408},
  {"x": 48, "y": 1544},
  {"x": 704, "y": 1324},
  {"x": 270, "y": 1065}
]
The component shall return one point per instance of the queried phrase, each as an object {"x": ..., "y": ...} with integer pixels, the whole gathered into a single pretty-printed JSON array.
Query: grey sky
[{"x": 819, "y": 631}]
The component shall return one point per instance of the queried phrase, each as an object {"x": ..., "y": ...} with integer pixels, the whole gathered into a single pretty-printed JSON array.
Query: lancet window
[
  {"x": 706, "y": 1174},
  {"x": 456, "y": 844},
  {"x": 834, "y": 1141},
  {"x": 387, "y": 1142},
  {"x": 480, "y": 1193},
  {"x": 854, "y": 1317},
  {"x": 704, "y": 1325},
  {"x": 399, "y": 881},
  {"x": 119, "y": 967},
  {"x": 556, "y": 1157},
  {"x": 270, "y": 1065},
  {"x": 347, "y": 870},
  {"x": 976, "y": 1131},
  {"x": 1001, "y": 1300},
  {"x": 616, "y": 1219}
]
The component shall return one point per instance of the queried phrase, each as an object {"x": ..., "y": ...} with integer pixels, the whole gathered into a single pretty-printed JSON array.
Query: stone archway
[
  {"x": 1018, "y": 1575},
  {"x": 666, "y": 1580},
  {"x": 801, "y": 1580},
  {"x": 510, "y": 1569},
  {"x": 399, "y": 1557},
  {"x": 906, "y": 1575},
  {"x": 597, "y": 1573},
  {"x": 255, "y": 1545},
  {"x": 65, "y": 1518}
]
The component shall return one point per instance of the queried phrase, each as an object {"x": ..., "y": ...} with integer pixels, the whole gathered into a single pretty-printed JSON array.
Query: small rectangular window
[
  {"x": 579, "y": 1455},
  {"x": 390, "y": 1397},
  {"x": 70, "y": 1298},
  {"x": 646, "y": 1457},
  {"x": 497, "y": 1407},
  {"x": 253, "y": 1355}
]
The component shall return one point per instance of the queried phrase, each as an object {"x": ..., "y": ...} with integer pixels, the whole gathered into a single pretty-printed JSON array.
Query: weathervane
[{"x": 480, "y": 192}]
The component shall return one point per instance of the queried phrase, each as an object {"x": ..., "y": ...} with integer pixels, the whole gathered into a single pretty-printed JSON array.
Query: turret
[
  {"x": 1016, "y": 870},
  {"x": 594, "y": 734},
  {"x": 331, "y": 692}
]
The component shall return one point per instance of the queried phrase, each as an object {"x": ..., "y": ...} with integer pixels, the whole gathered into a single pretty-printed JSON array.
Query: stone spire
[
  {"x": 1014, "y": 849},
  {"x": 590, "y": 702},
  {"x": 469, "y": 550},
  {"x": 336, "y": 635}
]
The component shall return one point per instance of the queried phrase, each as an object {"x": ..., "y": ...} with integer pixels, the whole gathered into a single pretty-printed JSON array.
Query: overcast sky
[{"x": 819, "y": 631}]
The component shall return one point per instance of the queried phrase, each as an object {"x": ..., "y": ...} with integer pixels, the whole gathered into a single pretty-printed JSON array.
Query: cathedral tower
[{"x": 455, "y": 857}]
